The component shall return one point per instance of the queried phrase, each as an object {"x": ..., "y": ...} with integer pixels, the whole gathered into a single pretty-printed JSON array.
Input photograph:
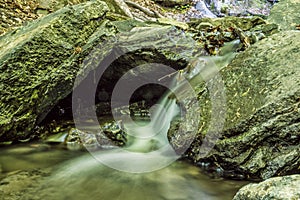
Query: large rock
[
  {"x": 39, "y": 62},
  {"x": 42, "y": 51},
  {"x": 286, "y": 14},
  {"x": 261, "y": 133},
  {"x": 278, "y": 188}
]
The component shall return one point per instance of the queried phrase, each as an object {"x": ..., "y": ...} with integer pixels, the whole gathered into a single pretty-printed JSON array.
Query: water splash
[{"x": 148, "y": 148}]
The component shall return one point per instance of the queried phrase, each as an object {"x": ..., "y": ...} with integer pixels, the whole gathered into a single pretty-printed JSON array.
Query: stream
[
  {"x": 146, "y": 168},
  {"x": 77, "y": 175}
]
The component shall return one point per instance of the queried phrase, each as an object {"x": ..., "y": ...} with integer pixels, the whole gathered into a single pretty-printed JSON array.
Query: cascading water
[
  {"x": 154, "y": 134},
  {"x": 148, "y": 148},
  {"x": 86, "y": 178}
]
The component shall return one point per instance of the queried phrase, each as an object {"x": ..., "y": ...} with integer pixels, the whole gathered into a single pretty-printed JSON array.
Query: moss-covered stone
[
  {"x": 227, "y": 22},
  {"x": 278, "y": 188},
  {"x": 260, "y": 137},
  {"x": 39, "y": 63},
  {"x": 286, "y": 14},
  {"x": 214, "y": 32}
]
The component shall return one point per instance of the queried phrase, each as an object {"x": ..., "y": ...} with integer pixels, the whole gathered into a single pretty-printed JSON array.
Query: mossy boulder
[
  {"x": 260, "y": 135},
  {"x": 36, "y": 60},
  {"x": 286, "y": 14},
  {"x": 278, "y": 188},
  {"x": 40, "y": 61}
]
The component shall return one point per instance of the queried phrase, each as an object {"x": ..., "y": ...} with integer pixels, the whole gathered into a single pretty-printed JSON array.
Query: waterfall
[
  {"x": 148, "y": 150},
  {"x": 152, "y": 136},
  {"x": 148, "y": 147}
]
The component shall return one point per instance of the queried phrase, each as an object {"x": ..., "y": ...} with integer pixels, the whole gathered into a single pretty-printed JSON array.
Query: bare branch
[{"x": 141, "y": 8}]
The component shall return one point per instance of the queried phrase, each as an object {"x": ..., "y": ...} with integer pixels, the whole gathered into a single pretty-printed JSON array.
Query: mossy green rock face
[
  {"x": 40, "y": 61},
  {"x": 286, "y": 14},
  {"x": 261, "y": 133},
  {"x": 278, "y": 188},
  {"x": 229, "y": 22}
]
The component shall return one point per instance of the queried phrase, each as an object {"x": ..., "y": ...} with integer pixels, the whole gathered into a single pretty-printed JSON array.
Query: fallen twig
[
  {"x": 141, "y": 8},
  {"x": 168, "y": 75}
]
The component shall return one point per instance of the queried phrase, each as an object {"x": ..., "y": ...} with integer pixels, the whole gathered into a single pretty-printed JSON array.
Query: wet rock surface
[
  {"x": 278, "y": 188},
  {"x": 260, "y": 137},
  {"x": 39, "y": 52},
  {"x": 91, "y": 136},
  {"x": 261, "y": 132},
  {"x": 109, "y": 135},
  {"x": 13, "y": 185}
]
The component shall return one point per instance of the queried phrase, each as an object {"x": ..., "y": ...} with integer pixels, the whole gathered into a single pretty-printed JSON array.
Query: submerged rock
[
  {"x": 12, "y": 185},
  {"x": 108, "y": 135},
  {"x": 278, "y": 188}
]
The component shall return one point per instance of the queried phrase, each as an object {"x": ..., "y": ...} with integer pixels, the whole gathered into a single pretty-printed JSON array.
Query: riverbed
[{"x": 42, "y": 171}]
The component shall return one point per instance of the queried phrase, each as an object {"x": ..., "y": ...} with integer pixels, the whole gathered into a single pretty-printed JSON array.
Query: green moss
[{"x": 35, "y": 58}]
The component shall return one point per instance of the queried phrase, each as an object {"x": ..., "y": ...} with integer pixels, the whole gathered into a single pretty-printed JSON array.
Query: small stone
[
  {"x": 73, "y": 146},
  {"x": 284, "y": 188}
]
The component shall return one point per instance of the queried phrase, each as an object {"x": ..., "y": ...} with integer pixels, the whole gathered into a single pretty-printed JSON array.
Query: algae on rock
[
  {"x": 278, "y": 188},
  {"x": 39, "y": 63},
  {"x": 286, "y": 14},
  {"x": 260, "y": 137}
]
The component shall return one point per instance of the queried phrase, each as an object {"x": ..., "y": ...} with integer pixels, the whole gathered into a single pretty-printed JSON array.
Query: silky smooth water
[
  {"x": 84, "y": 178},
  {"x": 30, "y": 156},
  {"x": 94, "y": 175}
]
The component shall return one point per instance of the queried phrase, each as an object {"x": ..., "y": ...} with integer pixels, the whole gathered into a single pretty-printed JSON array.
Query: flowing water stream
[
  {"x": 78, "y": 176},
  {"x": 82, "y": 176},
  {"x": 146, "y": 168}
]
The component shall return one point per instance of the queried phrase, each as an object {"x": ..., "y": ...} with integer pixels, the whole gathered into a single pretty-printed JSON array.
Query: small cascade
[
  {"x": 153, "y": 135},
  {"x": 148, "y": 148},
  {"x": 103, "y": 174}
]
